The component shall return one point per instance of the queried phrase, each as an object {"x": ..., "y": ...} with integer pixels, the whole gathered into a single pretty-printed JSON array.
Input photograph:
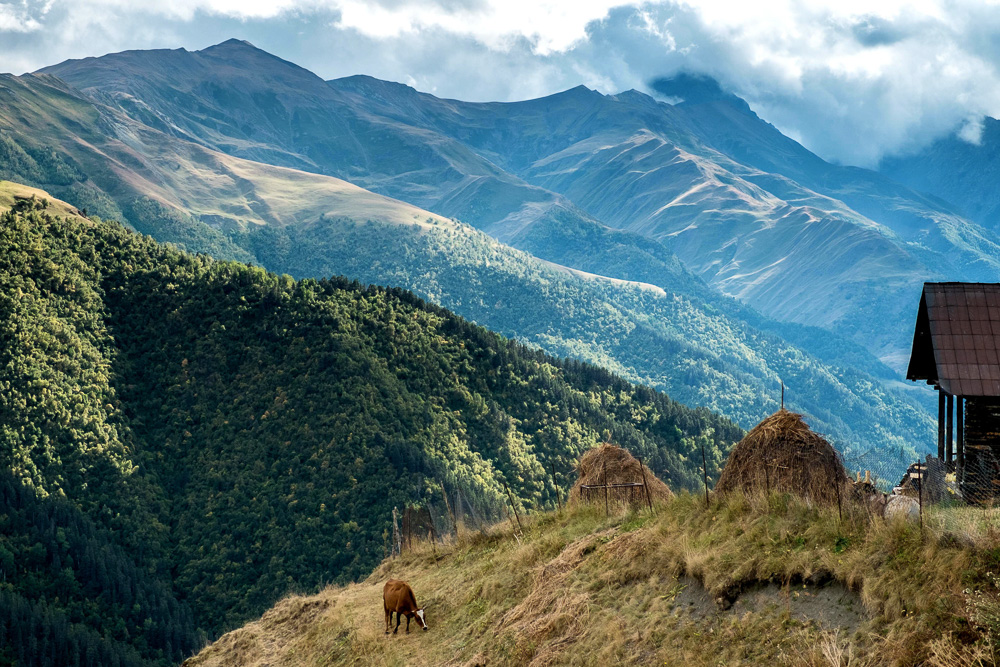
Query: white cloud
[
  {"x": 15, "y": 17},
  {"x": 972, "y": 131}
]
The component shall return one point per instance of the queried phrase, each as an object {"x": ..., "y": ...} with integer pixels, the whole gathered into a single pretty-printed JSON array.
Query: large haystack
[
  {"x": 782, "y": 454},
  {"x": 621, "y": 468}
]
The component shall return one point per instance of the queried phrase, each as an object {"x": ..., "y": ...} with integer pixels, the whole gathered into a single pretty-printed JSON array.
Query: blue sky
[{"x": 851, "y": 80}]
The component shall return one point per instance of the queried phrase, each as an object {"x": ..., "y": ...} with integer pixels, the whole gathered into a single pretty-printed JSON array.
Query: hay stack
[
  {"x": 782, "y": 454},
  {"x": 622, "y": 468}
]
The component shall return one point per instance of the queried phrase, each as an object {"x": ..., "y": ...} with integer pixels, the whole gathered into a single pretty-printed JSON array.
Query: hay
[
  {"x": 621, "y": 468},
  {"x": 782, "y": 454}
]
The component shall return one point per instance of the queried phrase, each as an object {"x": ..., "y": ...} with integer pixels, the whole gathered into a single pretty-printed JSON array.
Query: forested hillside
[
  {"x": 189, "y": 439},
  {"x": 700, "y": 352}
]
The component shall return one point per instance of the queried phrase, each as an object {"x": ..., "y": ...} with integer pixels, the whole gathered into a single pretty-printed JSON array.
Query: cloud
[
  {"x": 15, "y": 17},
  {"x": 852, "y": 79}
]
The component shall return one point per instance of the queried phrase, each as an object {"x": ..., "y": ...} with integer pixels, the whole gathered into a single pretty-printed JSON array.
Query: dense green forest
[
  {"x": 189, "y": 439},
  {"x": 701, "y": 350}
]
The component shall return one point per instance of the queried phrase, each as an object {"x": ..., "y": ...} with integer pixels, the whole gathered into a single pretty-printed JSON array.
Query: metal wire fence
[{"x": 975, "y": 480}]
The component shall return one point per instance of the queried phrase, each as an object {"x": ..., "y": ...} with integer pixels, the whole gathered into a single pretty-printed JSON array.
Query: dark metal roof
[{"x": 956, "y": 343}]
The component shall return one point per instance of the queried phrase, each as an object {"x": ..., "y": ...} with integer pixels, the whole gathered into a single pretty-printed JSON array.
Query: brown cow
[{"x": 397, "y": 596}]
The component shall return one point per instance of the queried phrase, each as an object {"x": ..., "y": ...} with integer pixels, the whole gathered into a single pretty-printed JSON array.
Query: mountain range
[
  {"x": 744, "y": 207},
  {"x": 237, "y": 153}
]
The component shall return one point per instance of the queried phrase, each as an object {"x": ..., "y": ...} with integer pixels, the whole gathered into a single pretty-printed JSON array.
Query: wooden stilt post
[
  {"x": 959, "y": 436},
  {"x": 941, "y": 421},
  {"x": 950, "y": 428},
  {"x": 607, "y": 510},
  {"x": 920, "y": 493},
  {"x": 645, "y": 485}
]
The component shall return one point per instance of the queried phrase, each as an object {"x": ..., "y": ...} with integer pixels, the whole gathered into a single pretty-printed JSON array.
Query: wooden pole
[
  {"x": 607, "y": 510},
  {"x": 840, "y": 511},
  {"x": 920, "y": 493},
  {"x": 451, "y": 513},
  {"x": 645, "y": 485},
  {"x": 408, "y": 520},
  {"x": 552, "y": 465},
  {"x": 513, "y": 528},
  {"x": 782, "y": 395},
  {"x": 430, "y": 519},
  {"x": 397, "y": 539},
  {"x": 704, "y": 468},
  {"x": 941, "y": 420},
  {"x": 513, "y": 506},
  {"x": 960, "y": 436},
  {"x": 949, "y": 428}
]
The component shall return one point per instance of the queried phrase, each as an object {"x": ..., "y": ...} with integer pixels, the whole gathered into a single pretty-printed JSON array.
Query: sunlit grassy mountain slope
[
  {"x": 186, "y": 440},
  {"x": 746, "y": 208},
  {"x": 240, "y": 100},
  {"x": 682, "y": 338}
]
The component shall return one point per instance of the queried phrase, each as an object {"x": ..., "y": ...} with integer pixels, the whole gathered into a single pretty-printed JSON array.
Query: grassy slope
[
  {"x": 584, "y": 589},
  {"x": 10, "y": 192}
]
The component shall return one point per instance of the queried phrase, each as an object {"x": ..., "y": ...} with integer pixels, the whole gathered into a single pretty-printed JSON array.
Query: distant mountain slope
[
  {"x": 963, "y": 173},
  {"x": 242, "y": 101},
  {"x": 183, "y": 434},
  {"x": 746, "y": 208},
  {"x": 704, "y": 349}
]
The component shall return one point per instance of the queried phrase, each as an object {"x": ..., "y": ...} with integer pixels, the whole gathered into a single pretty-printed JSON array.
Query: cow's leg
[
  {"x": 388, "y": 617},
  {"x": 407, "y": 624},
  {"x": 396, "y": 629}
]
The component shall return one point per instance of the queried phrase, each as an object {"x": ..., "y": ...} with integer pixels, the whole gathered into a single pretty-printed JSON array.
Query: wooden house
[{"x": 956, "y": 348}]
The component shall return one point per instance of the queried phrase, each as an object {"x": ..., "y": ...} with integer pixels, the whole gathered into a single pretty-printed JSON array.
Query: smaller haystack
[
  {"x": 783, "y": 454},
  {"x": 621, "y": 468}
]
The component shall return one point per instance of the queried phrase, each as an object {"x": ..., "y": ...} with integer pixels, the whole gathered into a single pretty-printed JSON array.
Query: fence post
[
  {"x": 704, "y": 470},
  {"x": 430, "y": 522},
  {"x": 840, "y": 512},
  {"x": 451, "y": 513},
  {"x": 397, "y": 540},
  {"x": 514, "y": 507},
  {"x": 552, "y": 465},
  {"x": 407, "y": 529},
  {"x": 645, "y": 485}
]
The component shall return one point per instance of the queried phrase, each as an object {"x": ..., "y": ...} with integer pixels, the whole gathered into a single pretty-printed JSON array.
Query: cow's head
[{"x": 422, "y": 617}]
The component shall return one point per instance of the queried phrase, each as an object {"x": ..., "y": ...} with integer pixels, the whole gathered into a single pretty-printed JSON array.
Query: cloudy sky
[{"x": 852, "y": 80}]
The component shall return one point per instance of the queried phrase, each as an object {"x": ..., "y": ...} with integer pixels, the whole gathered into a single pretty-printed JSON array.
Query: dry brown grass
[
  {"x": 584, "y": 589},
  {"x": 10, "y": 191},
  {"x": 783, "y": 454}
]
